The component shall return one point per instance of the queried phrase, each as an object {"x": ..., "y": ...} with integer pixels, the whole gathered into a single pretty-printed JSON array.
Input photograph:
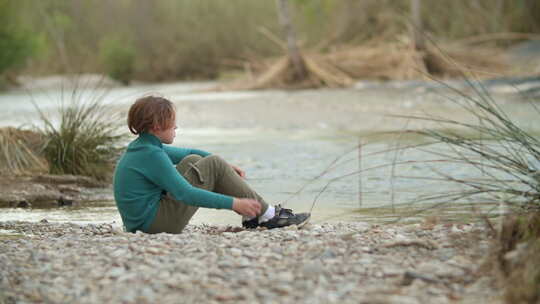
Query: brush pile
[{"x": 341, "y": 66}]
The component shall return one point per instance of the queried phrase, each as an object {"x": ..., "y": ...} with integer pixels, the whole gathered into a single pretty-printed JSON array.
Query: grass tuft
[
  {"x": 84, "y": 141},
  {"x": 504, "y": 157},
  {"x": 505, "y": 160}
]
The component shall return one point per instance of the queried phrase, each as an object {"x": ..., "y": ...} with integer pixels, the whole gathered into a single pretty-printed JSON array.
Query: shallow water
[
  {"x": 279, "y": 162},
  {"x": 19, "y": 106}
]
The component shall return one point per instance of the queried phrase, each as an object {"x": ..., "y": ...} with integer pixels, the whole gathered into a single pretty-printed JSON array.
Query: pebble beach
[{"x": 44, "y": 262}]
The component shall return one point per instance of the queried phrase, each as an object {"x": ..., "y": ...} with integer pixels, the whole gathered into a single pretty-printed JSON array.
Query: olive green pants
[{"x": 211, "y": 173}]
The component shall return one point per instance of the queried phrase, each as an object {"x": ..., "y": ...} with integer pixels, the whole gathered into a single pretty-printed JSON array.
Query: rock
[
  {"x": 23, "y": 204},
  {"x": 462, "y": 262},
  {"x": 328, "y": 254},
  {"x": 409, "y": 277},
  {"x": 286, "y": 276},
  {"x": 440, "y": 269},
  {"x": 445, "y": 254},
  {"x": 283, "y": 289},
  {"x": 291, "y": 227},
  {"x": 361, "y": 227},
  {"x": 228, "y": 234},
  {"x": 312, "y": 269},
  {"x": 148, "y": 294},
  {"x": 390, "y": 270},
  {"x": 225, "y": 264},
  {"x": 288, "y": 235},
  {"x": 128, "y": 296},
  {"x": 365, "y": 260},
  {"x": 401, "y": 238},
  {"x": 116, "y": 272},
  {"x": 119, "y": 253},
  {"x": 236, "y": 252},
  {"x": 64, "y": 202},
  {"x": 348, "y": 236}
]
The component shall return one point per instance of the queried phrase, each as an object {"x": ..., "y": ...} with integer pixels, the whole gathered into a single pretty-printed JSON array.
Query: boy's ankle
[{"x": 267, "y": 215}]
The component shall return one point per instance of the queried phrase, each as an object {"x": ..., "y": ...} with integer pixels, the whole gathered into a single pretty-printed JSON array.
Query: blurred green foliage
[
  {"x": 15, "y": 47},
  {"x": 186, "y": 39},
  {"x": 17, "y": 42},
  {"x": 118, "y": 59}
]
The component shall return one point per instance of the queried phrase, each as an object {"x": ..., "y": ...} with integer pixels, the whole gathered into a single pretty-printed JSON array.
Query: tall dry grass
[
  {"x": 505, "y": 159},
  {"x": 20, "y": 152}
]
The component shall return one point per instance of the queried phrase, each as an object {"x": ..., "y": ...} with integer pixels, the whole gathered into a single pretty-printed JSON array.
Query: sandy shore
[{"x": 329, "y": 263}]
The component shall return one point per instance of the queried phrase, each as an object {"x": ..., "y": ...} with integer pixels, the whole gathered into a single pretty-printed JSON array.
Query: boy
[{"x": 153, "y": 196}]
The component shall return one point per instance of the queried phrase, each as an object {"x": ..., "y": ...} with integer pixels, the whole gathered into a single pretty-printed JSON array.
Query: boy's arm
[
  {"x": 176, "y": 154},
  {"x": 167, "y": 177}
]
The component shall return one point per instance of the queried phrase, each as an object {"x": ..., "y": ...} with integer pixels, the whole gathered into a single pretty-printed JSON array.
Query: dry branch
[
  {"x": 429, "y": 246},
  {"x": 494, "y": 37}
]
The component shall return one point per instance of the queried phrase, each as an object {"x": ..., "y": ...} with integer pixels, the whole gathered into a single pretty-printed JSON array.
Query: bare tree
[
  {"x": 417, "y": 31},
  {"x": 297, "y": 61},
  {"x": 57, "y": 35}
]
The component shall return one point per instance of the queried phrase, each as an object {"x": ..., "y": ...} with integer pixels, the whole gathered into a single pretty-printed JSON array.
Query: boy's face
[{"x": 166, "y": 135}]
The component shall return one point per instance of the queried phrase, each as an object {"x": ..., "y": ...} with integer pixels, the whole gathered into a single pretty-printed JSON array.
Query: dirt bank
[{"x": 49, "y": 190}]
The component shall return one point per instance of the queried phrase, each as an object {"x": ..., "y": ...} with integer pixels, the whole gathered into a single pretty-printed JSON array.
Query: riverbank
[
  {"x": 327, "y": 263},
  {"x": 47, "y": 190}
]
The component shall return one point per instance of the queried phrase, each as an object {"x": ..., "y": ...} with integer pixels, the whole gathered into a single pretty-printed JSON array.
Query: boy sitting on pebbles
[{"x": 153, "y": 196}]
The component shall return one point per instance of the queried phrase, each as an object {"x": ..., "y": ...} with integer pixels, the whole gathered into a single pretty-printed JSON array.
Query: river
[{"x": 284, "y": 140}]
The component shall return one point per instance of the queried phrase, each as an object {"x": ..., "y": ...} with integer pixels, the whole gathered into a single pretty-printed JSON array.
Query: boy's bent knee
[
  {"x": 187, "y": 162},
  {"x": 203, "y": 163},
  {"x": 192, "y": 158},
  {"x": 216, "y": 161},
  {"x": 214, "y": 158}
]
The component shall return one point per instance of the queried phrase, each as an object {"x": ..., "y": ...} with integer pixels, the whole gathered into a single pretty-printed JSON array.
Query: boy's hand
[
  {"x": 246, "y": 206},
  {"x": 239, "y": 171}
]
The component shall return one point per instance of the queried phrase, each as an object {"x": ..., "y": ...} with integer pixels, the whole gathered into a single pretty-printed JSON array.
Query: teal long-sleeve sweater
[{"x": 145, "y": 171}]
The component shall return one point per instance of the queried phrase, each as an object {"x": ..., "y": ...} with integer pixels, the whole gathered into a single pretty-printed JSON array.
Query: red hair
[{"x": 150, "y": 112}]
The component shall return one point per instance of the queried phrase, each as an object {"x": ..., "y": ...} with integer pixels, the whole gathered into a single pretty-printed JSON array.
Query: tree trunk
[
  {"x": 57, "y": 35},
  {"x": 292, "y": 48},
  {"x": 497, "y": 22},
  {"x": 417, "y": 31}
]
